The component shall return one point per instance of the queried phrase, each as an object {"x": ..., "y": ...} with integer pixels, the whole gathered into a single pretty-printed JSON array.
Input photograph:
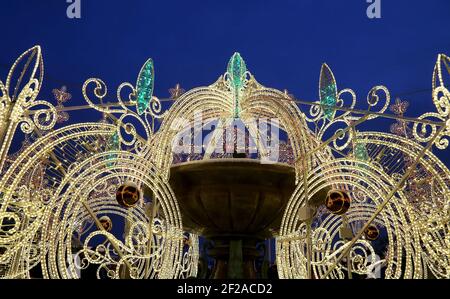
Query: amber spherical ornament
[
  {"x": 128, "y": 195},
  {"x": 337, "y": 202},
  {"x": 106, "y": 223},
  {"x": 371, "y": 233}
]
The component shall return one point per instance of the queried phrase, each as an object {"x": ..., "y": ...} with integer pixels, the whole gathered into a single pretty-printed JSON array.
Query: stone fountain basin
[{"x": 232, "y": 197}]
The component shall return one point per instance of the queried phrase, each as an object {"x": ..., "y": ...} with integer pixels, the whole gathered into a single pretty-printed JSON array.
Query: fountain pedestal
[{"x": 235, "y": 203}]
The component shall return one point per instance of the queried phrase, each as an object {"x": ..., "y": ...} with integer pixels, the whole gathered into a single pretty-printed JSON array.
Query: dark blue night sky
[{"x": 283, "y": 42}]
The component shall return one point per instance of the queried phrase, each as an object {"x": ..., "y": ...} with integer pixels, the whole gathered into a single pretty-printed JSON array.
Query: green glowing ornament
[
  {"x": 327, "y": 91},
  {"x": 144, "y": 86},
  {"x": 237, "y": 71},
  {"x": 113, "y": 145},
  {"x": 360, "y": 152}
]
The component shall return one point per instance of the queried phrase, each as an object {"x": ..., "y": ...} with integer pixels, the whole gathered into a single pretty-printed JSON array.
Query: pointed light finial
[
  {"x": 236, "y": 70},
  {"x": 328, "y": 93},
  {"x": 438, "y": 76},
  {"x": 29, "y": 62},
  {"x": 144, "y": 86}
]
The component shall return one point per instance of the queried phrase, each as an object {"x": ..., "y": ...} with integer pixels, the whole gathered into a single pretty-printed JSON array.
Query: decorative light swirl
[
  {"x": 424, "y": 132},
  {"x": 441, "y": 99},
  {"x": 316, "y": 112},
  {"x": 190, "y": 258},
  {"x": 373, "y": 99},
  {"x": 345, "y": 138},
  {"x": 129, "y": 128},
  {"x": 43, "y": 119},
  {"x": 341, "y": 102},
  {"x": 145, "y": 121},
  {"x": 100, "y": 91},
  {"x": 153, "y": 110}
]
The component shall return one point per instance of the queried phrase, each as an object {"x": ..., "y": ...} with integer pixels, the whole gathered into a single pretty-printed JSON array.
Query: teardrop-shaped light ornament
[
  {"x": 236, "y": 70},
  {"x": 361, "y": 153},
  {"x": 144, "y": 86},
  {"x": 28, "y": 68},
  {"x": 327, "y": 91},
  {"x": 113, "y": 144}
]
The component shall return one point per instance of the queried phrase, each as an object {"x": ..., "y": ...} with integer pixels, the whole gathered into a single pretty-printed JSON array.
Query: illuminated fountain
[{"x": 130, "y": 195}]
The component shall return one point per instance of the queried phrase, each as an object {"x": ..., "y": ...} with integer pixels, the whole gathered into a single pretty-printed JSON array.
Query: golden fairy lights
[
  {"x": 377, "y": 181},
  {"x": 65, "y": 218}
]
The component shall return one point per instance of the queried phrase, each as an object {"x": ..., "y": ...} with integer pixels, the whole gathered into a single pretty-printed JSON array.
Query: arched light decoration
[{"x": 55, "y": 224}]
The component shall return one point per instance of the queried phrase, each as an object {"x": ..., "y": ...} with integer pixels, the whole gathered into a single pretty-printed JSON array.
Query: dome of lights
[{"x": 158, "y": 184}]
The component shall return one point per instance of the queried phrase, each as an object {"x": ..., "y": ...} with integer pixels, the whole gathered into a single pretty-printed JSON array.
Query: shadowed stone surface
[
  {"x": 232, "y": 201},
  {"x": 232, "y": 197}
]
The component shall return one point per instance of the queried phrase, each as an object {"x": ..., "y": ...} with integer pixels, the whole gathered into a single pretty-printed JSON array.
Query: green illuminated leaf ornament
[
  {"x": 237, "y": 71},
  {"x": 327, "y": 91},
  {"x": 360, "y": 152},
  {"x": 144, "y": 86},
  {"x": 113, "y": 145}
]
